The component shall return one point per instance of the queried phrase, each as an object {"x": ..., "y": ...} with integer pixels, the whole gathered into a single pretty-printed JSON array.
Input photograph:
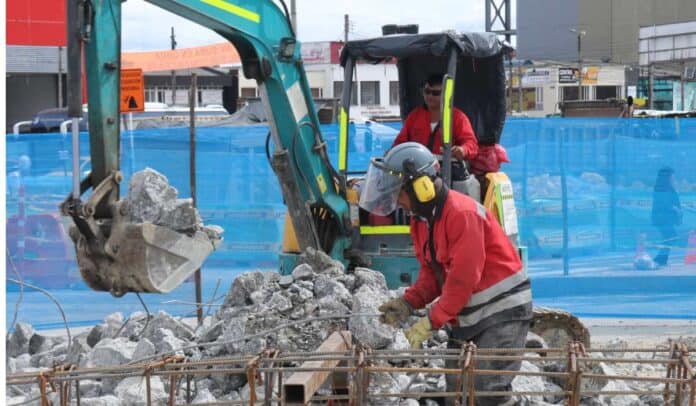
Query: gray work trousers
[{"x": 510, "y": 334}]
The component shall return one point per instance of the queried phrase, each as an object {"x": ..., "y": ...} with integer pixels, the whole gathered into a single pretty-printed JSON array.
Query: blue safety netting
[{"x": 583, "y": 188}]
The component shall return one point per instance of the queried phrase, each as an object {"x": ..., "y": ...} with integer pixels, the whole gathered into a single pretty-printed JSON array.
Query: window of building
[
  {"x": 393, "y": 93},
  {"x": 248, "y": 92},
  {"x": 200, "y": 97},
  {"x": 607, "y": 92},
  {"x": 338, "y": 90},
  {"x": 571, "y": 93},
  {"x": 317, "y": 92},
  {"x": 532, "y": 99},
  {"x": 369, "y": 93}
]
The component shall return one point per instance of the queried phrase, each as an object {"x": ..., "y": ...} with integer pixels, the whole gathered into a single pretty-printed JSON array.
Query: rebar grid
[{"x": 268, "y": 369}]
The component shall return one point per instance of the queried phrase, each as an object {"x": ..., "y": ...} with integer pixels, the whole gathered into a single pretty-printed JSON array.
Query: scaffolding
[{"x": 339, "y": 373}]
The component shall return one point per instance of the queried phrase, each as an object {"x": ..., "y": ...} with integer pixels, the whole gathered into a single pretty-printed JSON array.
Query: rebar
[{"x": 360, "y": 364}]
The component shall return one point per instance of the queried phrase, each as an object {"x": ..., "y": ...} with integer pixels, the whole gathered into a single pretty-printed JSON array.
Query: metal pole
[
  {"x": 193, "y": 93},
  {"x": 509, "y": 107},
  {"x": 76, "y": 157},
  {"x": 345, "y": 27},
  {"x": 681, "y": 83},
  {"x": 651, "y": 79},
  {"x": 60, "y": 76},
  {"x": 173, "y": 38},
  {"x": 293, "y": 16},
  {"x": 519, "y": 86},
  {"x": 579, "y": 65}
]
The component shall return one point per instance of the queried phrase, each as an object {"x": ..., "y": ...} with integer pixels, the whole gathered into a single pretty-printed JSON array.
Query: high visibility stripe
[
  {"x": 374, "y": 230},
  {"x": 500, "y": 287},
  {"x": 447, "y": 111},
  {"x": 234, "y": 9},
  {"x": 342, "y": 139},
  {"x": 508, "y": 302}
]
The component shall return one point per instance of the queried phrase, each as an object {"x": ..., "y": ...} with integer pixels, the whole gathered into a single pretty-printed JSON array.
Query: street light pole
[{"x": 580, "y": 34}]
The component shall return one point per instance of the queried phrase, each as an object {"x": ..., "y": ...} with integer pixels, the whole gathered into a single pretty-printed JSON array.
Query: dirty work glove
[
  {"x": 394, "y": 312},
  {"x": 419, "y": 332}
]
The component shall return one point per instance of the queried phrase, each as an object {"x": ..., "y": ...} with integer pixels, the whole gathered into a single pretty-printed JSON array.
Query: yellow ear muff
[{"x": 424, "y": 188}]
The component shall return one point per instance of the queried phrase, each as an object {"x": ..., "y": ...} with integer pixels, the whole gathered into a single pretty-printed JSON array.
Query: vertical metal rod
[
  {"x": 681, "y": 83},
  {"x": 173, "y": 43},
  {"x": 147, "y": 389},
  {"x": 520, "y": 99},
  {"x": 293, "y": 16},
  {"x": 60, "y": 76},
  {"x": 76, "y": 157},
  {"x": 564, "y": 203},
  {"x": 172, "y": 390},
  {"x": 580, "y": 65},
  {"x": 651, "y": 84},
  {"x": 77, "y": 391},
  {"x": 188, "y": 388},
  {"x": 193, "y": 98}
]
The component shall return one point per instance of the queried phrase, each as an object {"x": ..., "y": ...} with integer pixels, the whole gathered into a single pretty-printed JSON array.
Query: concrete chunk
[
  {"x": 110, "y": 352},
  {"x": 369, "y": 330},
  {"x": 19, "y": 339},
  {"x": 303, "y": 272},
  {"x": 108, "y": 400},
  {"x": 133, "y": 391},
  {"x": 242, "y": 287}
]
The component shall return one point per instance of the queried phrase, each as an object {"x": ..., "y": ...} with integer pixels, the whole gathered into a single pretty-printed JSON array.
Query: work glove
[
  {"x": 419, "y": 332},
  {"x": 394, "y": 312}
]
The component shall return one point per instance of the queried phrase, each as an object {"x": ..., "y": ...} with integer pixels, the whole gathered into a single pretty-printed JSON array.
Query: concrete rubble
[
  {"x": 260, "y": 301},
  {"x": 152, "y": 199}
]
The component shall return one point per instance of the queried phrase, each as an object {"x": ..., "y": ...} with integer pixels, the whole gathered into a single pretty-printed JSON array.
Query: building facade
[
  {"x": 611, "y": 27},
  {"x": 544, "y": 85}
]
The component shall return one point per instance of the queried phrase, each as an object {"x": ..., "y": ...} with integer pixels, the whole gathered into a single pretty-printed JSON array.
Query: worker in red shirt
[
  {"x": 470, "y": 273},
  {"x": 423, "y": 124}
]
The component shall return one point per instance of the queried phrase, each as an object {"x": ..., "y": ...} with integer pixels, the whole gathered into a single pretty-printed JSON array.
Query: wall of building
[
  {"x": 27, "y": 94},
  {"x": 542, "y": 29},
  {"x": 611, "y": 26}
]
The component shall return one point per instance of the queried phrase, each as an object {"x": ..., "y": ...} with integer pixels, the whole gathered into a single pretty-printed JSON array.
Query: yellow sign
[
  {"x": 132, "y": 90},
  {"x": 590, "y": 75}
]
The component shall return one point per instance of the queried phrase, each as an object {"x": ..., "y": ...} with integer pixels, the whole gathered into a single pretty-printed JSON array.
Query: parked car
[{"x": 49, "y": 120}]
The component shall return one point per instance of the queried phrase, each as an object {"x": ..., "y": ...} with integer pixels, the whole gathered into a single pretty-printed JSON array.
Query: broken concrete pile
[
  {"x": 258, "y": 302},
  {"x": 153, "y": 200}
]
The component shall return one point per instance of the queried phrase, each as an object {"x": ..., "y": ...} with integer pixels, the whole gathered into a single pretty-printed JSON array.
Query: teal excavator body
[{"x": 119, "y": 256}]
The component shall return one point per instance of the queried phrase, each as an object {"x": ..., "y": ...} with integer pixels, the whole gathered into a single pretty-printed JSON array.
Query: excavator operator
[
  {"x": 422, "y": 125},
  {"x": 466, "y": 262}
]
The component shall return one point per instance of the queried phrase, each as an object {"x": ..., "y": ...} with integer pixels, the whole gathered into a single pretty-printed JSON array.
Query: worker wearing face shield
[{"x": 470, "y": 274}]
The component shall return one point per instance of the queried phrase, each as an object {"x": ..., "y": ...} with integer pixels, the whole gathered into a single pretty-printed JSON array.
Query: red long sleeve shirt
[
  {"x": 482, "y": 272},
  {"x": 417, "y": 128}
]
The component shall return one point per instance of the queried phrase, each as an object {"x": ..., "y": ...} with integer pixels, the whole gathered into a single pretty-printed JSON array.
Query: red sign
[{"x": 36, "y": 22}]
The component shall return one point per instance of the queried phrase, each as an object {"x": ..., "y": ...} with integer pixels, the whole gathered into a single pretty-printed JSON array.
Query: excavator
[{"x": 117, "y": 255}]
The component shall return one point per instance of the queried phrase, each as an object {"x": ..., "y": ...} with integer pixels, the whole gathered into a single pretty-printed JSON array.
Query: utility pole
[
  {"x": 173, "y": 38},
  {"x": 519, "y": 87},
  {"x": 293, "y": 16},
  {"x": 580, "y": 34},
  {"x": 346, "y": 27}
]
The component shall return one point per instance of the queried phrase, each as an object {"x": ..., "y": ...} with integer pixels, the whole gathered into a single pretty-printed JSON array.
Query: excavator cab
[{"x": 473, "y": 81}]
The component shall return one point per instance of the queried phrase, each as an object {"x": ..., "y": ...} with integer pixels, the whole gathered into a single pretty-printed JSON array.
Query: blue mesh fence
[{"x": 580, "y": 242}]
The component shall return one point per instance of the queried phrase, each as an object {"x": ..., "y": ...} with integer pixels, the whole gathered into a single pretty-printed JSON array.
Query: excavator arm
[{"x": 118, "y": 256}]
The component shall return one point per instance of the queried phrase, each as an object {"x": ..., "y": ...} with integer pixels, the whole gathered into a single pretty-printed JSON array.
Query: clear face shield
[{"x": 380, "y": 192}]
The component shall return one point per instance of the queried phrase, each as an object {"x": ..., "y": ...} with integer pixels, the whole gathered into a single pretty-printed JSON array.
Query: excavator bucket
[{"x": 140, "y": 257}]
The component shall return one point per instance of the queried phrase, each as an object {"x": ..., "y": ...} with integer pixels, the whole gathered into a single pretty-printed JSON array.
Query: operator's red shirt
[
  {"x": 417, "y": 129},
  {"x": 482, "y": 272}
]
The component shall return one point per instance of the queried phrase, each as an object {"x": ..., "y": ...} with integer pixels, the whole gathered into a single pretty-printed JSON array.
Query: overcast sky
[{"x": 147, "y": 27}]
